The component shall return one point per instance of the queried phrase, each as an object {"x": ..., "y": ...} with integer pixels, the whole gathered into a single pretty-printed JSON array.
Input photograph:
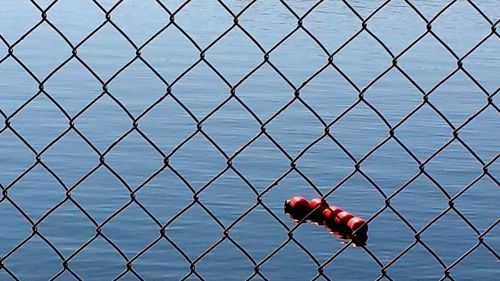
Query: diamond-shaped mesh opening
[
  {"x": 204, "y": 22},
  {"x": 131, "y": 230},
  {"x": 262, "y": 153},
  {"x": 358, "y": 196},
  {"x": 132, "y": 152},
  {"x": 115, "y": 51},
  {"x": 420, "y": 192},
  {"x": 170, "y": 52},
  {"x": 423, "y": 132},
  {"x": 290, "y": 258},
  {"x": 342, "y": 267},
  {"x": 73, "y": 87},
  {"x": 61, "y": 154},
  {"x": 298, "y": 68},
  {"x": 44, "y": 41},
  {"x": 113, "y": 194},
  {"x": 14, "y": 95},
  {"x": 236, "y": 194},
  {"x": 164, "y": 196},
  {"x": 427, "y": 61},
  {"x": 195, "y": 172},
  {"x": 392, "y": 30},
  {"x": 17, "y": 156},
  {"x": 342, "y": 24},
  {"x": 224, "y": 54},
  {"x": 471, "y": 199},
  {"x": 200, "y": 90},
  {"x": 33, "y": 260},
  {"x": 305, "y": 125},
  {"x": 443, "y": 240},
  {"x": 454, "y": 160},
  {"x": 41, "y": 107},
  {"x": 362, "y": 59},
  {"x": 184, "y": 226},
  {"x": 75, "y": 20},
  {"x": 269, "y": 29},
  {"x": 231, "y": 126},
  {"x": 325, "y": 153},
  {"x": 265, "y": 92},
  {"x": 458, "y": 98},
  {"x": 328, "y": 94},
  {"x": 353, "y": 126},
  {"x": 391, "y": 156},
  {"x": 159, "y": 140},
  {"x": 394, "y": 96},
  {"x": 144, "y": 89},
  {"x": 416, "y": 257},
  {"x": 139, "y": 24},
  {"x": 223, "y": 256},
  {"x": 481, "y": 145},
  {"x": 10, "y": 26},
  {"x": 151, "y": 264},
  {"x": 257, "y": 243},
  {"x": 97, "y": 260},
  {"x": 461, "y": 16},
  {"x": 28, "y": 194},
  {"x": 388, "y": 221},
  {"x": 175, "y": 123},
  {"x": 15, "y": 230},
  {"x": 102, "y": 122},
  {"x": 67, "y": 228}
]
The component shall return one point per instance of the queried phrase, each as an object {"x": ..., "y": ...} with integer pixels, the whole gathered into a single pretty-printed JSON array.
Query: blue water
[{"x": 39, "y": 188}]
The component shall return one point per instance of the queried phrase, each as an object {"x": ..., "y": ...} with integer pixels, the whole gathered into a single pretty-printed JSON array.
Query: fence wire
[{"x": 266, "y": 53}]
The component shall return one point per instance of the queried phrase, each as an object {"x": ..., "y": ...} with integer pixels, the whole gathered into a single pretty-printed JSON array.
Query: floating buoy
[
  {"x": 330, "y": 213},
  {"x": 335, "y": 209},
  {"x": 356, "y": 223},
  {"x": 297, "y": 205},
  {"x": 318, "y": 205},
  {"x": 343, "y": 217},
  {"x": 341, "y": 223}
]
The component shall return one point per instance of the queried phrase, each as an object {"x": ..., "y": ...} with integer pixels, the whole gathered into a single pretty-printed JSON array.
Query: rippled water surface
[{"x": 168, "y": 122}]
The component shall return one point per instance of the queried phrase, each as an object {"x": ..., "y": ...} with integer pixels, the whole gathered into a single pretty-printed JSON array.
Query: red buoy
[
  {"x": 343, "y": 218},
  {"x": 356, "y": 222},
  {"x": 318, "y": 203},
  {"x": 328, "y": 217},
  {"x": 298, "y": 202},
  {"x": 335, "y": 209},
  {"x": 330, "y": 213},
  {"x": 341, "y": 223},
  {"x": 297, "y": 205}
]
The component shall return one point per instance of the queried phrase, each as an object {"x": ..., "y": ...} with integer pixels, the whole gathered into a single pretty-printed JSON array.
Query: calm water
[{"x": 325, "y": 164}]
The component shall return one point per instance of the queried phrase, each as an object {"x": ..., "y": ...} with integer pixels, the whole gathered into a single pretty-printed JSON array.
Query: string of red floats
[{"x": 317, "y": 209}]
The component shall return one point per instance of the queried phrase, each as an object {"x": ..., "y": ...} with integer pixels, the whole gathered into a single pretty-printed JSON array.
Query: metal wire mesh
[{"x": 232, "y": 88}]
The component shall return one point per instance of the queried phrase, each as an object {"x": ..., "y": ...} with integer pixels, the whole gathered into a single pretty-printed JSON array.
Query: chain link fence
[{"x": 266, "y": 54}]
